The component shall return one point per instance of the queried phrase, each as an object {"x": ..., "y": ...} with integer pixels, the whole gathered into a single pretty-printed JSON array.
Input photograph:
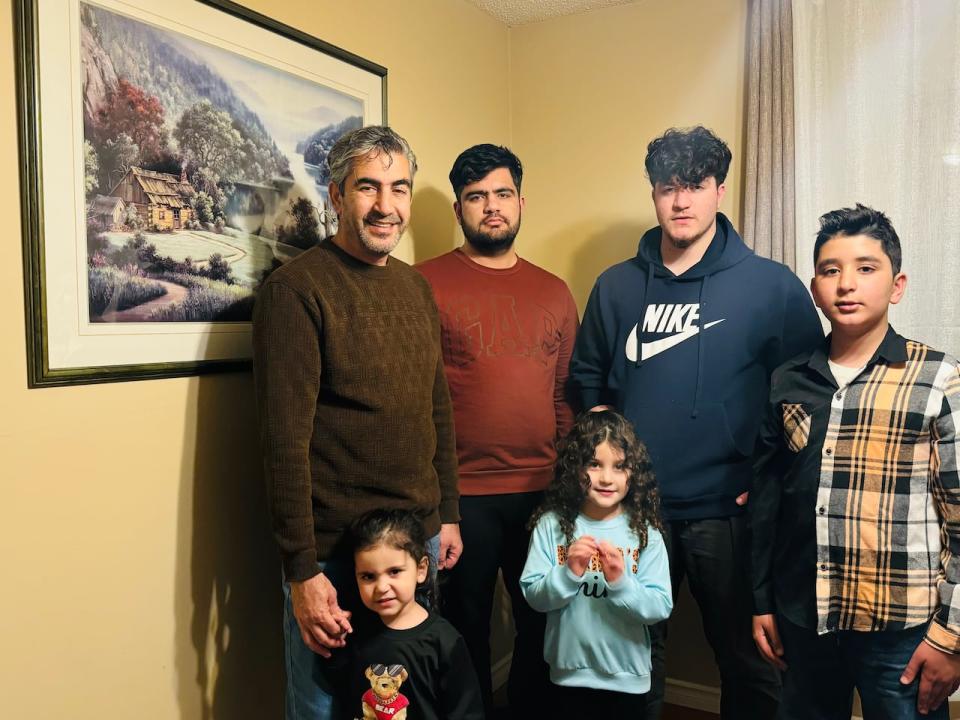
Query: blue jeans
[
  {"x": 823, "y": 670},
  {"x": 310, "y": 695}
]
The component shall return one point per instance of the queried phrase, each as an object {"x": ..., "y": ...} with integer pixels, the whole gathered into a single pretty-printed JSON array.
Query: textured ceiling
[{"x": 521, "y": 12}]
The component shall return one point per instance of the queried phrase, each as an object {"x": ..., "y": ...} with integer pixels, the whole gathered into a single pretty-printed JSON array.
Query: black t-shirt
[{"x": 425, "y": 671}]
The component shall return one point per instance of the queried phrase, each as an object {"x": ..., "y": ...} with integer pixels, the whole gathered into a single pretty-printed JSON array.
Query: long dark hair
[
  {"x": 567, "y": 492},
  {"x": 400, "y": 529}
]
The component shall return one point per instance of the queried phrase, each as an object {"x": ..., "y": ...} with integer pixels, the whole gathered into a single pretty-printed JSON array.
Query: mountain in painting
[
  {"x": 160, "y": 66},
  {"x": 315, "y": 148}
]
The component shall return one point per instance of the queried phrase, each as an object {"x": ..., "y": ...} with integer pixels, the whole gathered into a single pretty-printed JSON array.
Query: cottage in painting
[
  {"x": 107, "y": 211},
  {"x": 162, "y": 200}
]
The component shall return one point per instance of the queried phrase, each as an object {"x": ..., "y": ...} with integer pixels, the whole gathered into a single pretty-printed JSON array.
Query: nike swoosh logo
[{"x": 648, "y": 350}]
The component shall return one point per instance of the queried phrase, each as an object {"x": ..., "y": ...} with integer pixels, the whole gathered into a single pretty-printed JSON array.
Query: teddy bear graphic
[{"x": 383, "y": 701}]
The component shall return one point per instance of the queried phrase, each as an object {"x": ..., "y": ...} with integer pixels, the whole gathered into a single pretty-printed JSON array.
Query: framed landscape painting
[{"x": 172, "y": 156}]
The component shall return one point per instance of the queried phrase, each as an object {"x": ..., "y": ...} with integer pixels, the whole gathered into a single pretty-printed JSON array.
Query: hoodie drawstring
[
  {"x": 700, "y": 353},
  {"x": 643, "y": 310}
]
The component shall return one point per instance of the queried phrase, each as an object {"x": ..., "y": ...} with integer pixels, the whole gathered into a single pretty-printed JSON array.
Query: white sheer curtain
[{"x": 877, "y": 100}]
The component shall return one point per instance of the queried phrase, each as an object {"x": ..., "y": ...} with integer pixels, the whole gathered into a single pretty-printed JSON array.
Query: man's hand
[
  {"x": 579, "y": 554},
  {"x": 451, "y": 546},
  {"x": 323, "y": 623},
  {"x": 742, "y": 498},
  {"x": 767, "y": 637},
  {"x": 612, "y": 561},
  {"x": 939, "y": 676}
]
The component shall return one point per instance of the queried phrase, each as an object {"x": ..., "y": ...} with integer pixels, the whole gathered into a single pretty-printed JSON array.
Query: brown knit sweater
[{"x": 354, "y": 408}]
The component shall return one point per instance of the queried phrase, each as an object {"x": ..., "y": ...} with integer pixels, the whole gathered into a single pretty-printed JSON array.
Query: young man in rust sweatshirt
[{"x": 508, "y": 333}]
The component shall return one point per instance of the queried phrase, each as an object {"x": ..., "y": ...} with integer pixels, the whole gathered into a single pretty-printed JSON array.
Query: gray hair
[{"x": 362, "y": 142}]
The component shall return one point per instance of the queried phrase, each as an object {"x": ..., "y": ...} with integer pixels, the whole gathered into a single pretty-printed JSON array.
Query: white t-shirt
[{"x": 844, "y": 375}]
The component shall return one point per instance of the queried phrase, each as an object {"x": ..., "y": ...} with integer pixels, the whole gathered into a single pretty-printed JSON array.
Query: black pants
[
  {"x": 495, "y": 538},
  {"x": 577, "y": 702},
  {"x": 712, "y": 555}
]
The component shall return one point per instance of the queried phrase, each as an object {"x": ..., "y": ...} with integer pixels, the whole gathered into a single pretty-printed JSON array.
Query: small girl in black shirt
[{"x": 408, "y": 664}]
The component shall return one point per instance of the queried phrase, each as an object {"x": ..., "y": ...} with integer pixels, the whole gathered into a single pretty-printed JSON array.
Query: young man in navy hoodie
[{"x": 682, "y": 339}]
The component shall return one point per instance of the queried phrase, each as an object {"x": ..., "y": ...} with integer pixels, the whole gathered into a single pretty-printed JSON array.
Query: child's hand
[
  {"x": 579, "y": 554},
  {"x": 612, "y": 561}
]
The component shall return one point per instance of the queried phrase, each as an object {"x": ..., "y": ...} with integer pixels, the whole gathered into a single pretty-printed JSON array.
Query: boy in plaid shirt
[{"x": 855, "y": 509}]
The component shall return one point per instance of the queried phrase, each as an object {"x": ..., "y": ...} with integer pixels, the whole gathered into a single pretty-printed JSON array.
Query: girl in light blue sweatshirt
[{"x": 598, "y": 567}]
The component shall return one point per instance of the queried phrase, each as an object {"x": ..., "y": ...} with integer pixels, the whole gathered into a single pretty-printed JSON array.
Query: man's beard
[
  {"x": 491, "y": 245},
  {"x": 683, "y": 244}
]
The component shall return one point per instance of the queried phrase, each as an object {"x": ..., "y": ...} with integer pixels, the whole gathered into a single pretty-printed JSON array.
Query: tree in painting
[{"x": 199, "y": 179}]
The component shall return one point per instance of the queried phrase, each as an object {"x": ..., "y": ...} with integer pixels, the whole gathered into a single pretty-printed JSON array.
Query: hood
[{"x": 725, "y": 250}]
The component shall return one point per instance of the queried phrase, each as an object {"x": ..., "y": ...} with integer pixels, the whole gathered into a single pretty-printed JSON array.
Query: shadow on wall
[
  {"x": 689, "y": 657},
  {"x": 228, "y": 572},
  {"x": 597, "y": 248},
  {"x": 434, "y": 226}
]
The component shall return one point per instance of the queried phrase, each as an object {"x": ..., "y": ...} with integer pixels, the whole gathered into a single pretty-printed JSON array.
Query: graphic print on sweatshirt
[
  {"x": 677, "y": 322},
  {"x": 592, "y": 586},
  {"x": 491, "y": 326},
  {"x": 384, "y": 701}
]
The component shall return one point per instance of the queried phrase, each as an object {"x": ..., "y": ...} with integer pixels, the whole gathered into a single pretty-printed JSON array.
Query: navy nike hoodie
[{"x": 687, "y": 359}]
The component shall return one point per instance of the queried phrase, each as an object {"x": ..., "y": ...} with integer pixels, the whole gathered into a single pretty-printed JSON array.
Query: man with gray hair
[{"x": 354, "y": 408}]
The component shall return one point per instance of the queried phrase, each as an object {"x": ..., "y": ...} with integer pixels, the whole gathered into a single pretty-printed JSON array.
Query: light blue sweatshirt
[{"x": 597, "y": 634}]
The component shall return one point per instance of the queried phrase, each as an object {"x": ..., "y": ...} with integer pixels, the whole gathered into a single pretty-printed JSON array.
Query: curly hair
[
  {"x": 566, "y": 494},
  {"x": 688, "y": 156}
]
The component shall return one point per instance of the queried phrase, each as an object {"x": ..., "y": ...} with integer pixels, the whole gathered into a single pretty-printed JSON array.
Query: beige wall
[
  {"x": 589, "y": 92},
  {"x": 140, "y": 580}
]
